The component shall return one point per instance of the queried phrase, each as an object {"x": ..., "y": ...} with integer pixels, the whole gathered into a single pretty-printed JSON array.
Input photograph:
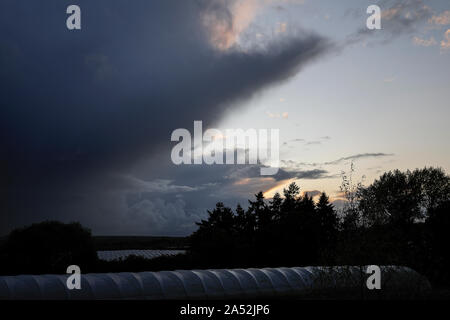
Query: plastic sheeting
[{"x": 211, "y": 284}]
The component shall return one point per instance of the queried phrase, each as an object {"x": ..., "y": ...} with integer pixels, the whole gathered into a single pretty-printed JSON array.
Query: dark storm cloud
[{"x": 77, "y": 106}]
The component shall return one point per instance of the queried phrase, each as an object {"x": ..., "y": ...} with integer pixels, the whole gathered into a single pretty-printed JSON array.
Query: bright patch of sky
[{"x": 385, "y": 97}]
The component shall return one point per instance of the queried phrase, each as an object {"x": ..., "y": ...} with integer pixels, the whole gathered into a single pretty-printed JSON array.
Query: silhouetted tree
[
  {"x": 275, "y": 206},
  {"x": 328, "y": 224},
  {"x": 402, "y": 198},
  {"x": 245, "y": 224},
  {"x": 50, "y": 247},
  {"x": 261, "y": 211},
  {"x": 217, "y": 235},
  {"x": 291, "y": 195}
]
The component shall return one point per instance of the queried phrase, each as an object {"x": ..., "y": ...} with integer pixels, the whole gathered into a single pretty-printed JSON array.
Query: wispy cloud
[
  {"x": 291, "y": 165},
  {"x": 312, "y": 142},
  {"x": 424, "y": 42},
  {"x": 403, "y": 15},
  {"x": 441, "y": 19},
  {"x": 227, "y": 20},
  {"x": 445, "y": 44},
  {"x": 283, "y": 115},
  {"x": 399, "y": 17},
  {"x": 360, "y": 156},
  {"x": 226, "y": 23}
]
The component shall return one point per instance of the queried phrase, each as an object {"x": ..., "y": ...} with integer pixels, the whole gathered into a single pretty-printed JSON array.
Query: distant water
[{"x": 111, "y": 255}]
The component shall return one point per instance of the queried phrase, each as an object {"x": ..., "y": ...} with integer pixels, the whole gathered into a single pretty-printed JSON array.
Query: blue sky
[{"x": 369, "y": 97}]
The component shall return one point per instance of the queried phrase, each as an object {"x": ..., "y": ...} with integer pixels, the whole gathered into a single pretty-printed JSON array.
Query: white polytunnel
[{"x": 297, "y": 282}]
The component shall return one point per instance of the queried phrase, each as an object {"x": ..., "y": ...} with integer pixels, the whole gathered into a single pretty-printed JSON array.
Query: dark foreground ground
[{"x": 134, "y": 242}]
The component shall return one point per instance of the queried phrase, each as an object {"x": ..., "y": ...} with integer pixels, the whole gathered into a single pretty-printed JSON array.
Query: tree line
[{"x": 402, "y": 218}]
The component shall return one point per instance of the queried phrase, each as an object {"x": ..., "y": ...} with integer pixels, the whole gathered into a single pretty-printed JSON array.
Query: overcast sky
[{"x": 86, "y": 115}]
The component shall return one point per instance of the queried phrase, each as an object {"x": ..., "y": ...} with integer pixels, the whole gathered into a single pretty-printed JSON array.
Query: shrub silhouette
[{"x": 49, "y": 247}]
